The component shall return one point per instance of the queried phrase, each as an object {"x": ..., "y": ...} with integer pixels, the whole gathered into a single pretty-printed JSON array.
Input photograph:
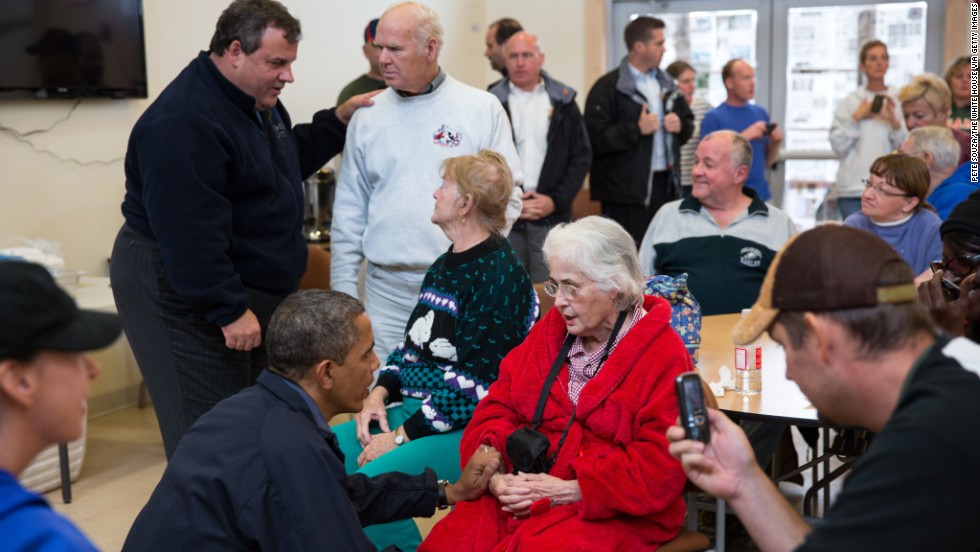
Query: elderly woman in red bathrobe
[{"x": 611, "y": 483}]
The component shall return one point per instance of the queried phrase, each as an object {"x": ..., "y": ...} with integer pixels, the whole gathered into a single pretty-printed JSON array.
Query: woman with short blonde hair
[{"x": 925, "y": 102}]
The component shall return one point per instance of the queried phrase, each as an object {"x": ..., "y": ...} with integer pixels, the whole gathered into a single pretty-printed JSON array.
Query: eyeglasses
[
  {"x": 568, "y": 291},
  {"x": 878, "y": 190},
  {"x": 961, "y": 266}
]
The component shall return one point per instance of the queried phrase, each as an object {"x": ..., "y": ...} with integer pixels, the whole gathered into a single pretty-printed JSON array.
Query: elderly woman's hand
[
  {"x": 380, "y": 444},
  {"x": 517, "y": 492},
  {"x": 372, "y": 410}
]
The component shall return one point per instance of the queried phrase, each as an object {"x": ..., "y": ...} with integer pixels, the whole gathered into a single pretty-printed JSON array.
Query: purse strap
[{"x": 556, "y": 367}]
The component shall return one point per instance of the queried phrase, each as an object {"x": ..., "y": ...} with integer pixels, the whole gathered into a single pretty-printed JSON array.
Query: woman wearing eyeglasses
[
  {"x": 606, "y": 480},
  {"x": 476, "y": 304},
  {"x": 952, "y": 295},
  {"x": 893, "y": 207}
]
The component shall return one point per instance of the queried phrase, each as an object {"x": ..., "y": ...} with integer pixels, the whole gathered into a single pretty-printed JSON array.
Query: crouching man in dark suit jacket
[{"x": 262, "y": 469}]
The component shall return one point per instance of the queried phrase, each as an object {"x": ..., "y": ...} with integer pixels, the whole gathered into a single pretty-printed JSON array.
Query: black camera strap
[{"x": 556, "y": 367}]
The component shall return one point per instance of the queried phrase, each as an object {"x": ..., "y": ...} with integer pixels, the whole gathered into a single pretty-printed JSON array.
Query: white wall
[
  {"x": 560, "y": 28},
  {"x": 78, "y": 206}
]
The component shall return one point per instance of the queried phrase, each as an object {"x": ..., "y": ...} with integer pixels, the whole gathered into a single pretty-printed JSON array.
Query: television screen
[{"x": 72, "y": 49}]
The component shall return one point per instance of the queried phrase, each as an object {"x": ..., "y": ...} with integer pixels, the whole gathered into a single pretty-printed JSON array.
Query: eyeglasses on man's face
[
  {"x": 568, "y": 291},
  {"x": 961, "y": 266},
  {"x": 880, "y": 190}
]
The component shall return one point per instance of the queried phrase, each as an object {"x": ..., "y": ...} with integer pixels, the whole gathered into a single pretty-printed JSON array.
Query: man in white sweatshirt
[{"x": 392, "y": 164}]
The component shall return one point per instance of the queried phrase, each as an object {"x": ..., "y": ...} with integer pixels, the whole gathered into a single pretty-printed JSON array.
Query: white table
[{"x": 780, "y": 400}]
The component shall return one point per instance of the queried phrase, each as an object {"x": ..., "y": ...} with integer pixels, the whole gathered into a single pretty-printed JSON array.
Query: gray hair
[
  {"x": 427, "y": 24},
  {"x": 603, "y": 252},
  {"x": 247, "y": 20},
  {"x": 938, "y": 141},
  {"x": 308, "y": 327},
  {"x": 741, "y": 151}
]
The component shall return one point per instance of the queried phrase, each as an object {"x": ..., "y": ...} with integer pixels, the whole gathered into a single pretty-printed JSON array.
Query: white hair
[
  {"x": 938, "y": 141},
  {"x": 603, "y": 252},
  {"x": 427, "y": 24}
]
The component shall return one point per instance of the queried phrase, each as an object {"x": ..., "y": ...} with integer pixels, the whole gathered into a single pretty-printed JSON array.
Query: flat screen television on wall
[{"x": 55, "y": 49}]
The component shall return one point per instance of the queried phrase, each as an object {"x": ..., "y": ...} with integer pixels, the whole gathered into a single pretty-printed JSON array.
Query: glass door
[
  {"x": 805, "y": 54},
  {"x": 818, "y": 68}
]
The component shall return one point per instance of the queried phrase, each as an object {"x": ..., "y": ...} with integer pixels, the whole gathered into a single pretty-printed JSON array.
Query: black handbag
[{"x": 527, "y": 448}]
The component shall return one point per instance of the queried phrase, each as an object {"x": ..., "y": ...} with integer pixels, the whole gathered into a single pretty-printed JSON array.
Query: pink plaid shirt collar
[{"x": 579, "y": 359}]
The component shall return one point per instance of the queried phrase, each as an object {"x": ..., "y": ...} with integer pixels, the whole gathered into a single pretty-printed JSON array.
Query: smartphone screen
[
  {"x": 690, "y": 401},
  {"x": 877, "y": 103}
]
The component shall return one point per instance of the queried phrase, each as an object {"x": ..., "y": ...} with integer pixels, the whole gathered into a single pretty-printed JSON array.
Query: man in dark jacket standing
[
  {"x": 637, "y": 122},
  {"x": 214, "y": 210},
  {"x": 552, "y": 143}
]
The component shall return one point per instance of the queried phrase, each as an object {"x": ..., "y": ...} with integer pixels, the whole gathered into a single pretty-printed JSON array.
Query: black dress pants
[{"x": 182, "y": 356}]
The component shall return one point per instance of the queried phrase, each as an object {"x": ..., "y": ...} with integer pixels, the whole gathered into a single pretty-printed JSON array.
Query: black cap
[
  {"x": 36, "y": 314},
  {"x": 828, "y": 268},
  {"x": 965, "y": 217}
]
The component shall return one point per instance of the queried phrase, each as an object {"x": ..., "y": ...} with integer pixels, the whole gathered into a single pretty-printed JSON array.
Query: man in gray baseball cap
[
  {"x": 44, "y": 379},
  {"x": 843, "y": 305}
]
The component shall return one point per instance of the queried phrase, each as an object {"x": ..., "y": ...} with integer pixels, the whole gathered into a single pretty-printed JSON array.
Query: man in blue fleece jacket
[{"x": 214, "y": 204}]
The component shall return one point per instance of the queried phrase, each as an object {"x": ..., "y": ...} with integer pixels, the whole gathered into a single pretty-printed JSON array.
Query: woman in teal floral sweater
[{"x": 476, "y": 304}]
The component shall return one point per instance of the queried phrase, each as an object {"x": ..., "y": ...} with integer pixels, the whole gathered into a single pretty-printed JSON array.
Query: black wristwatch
[{"x": 442, "y": 501}]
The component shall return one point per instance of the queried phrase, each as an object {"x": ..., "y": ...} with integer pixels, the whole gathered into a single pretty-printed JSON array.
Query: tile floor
[{"x": 123, "y": 463}]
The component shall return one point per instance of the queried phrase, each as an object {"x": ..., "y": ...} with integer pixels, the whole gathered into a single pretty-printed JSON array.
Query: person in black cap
[
  {"x": 44, "y": 379},
  {"x": 843, "y": 305},
  {"x": 955, "y": 303},
  {"x": 372, "y": 80}
]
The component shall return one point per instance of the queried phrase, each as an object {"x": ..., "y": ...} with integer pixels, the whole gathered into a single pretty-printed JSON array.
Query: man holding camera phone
[
  {"x": 866, "y": 354},
  {"x": 749, "y": 120}
]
